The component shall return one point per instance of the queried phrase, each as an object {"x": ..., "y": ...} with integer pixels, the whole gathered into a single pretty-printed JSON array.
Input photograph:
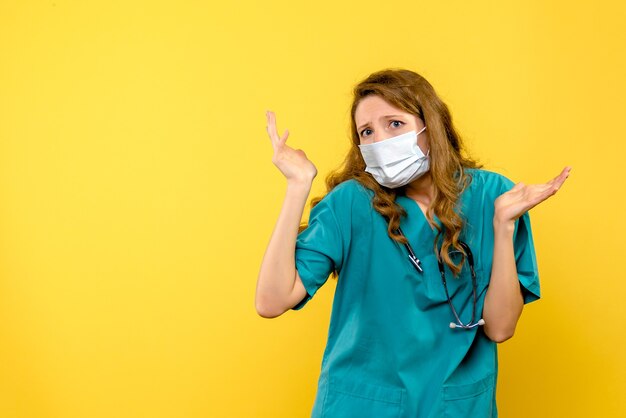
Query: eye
[
  {"x": 396, "y": 123},
  {"x": 366, "y": 132}
]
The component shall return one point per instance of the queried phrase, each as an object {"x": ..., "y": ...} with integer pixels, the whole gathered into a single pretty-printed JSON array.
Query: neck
[{"x": 421, "y": 189}]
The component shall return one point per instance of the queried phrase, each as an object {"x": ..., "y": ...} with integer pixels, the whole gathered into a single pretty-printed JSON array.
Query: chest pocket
[{"x": 348, "y": 398}]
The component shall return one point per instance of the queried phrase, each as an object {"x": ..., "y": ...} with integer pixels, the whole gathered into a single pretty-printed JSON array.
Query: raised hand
[
  {"x": 520, "y": 199},
  {"x": 293, "y": 163}
]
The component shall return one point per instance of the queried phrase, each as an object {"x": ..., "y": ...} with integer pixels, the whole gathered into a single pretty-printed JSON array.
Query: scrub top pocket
[
  {"x": 347, "y": 398},
  {"x": 476, "y": 400}
]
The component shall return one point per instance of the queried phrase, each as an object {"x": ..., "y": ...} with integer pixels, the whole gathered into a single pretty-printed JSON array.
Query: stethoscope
[{"x": 470, "y": 259}]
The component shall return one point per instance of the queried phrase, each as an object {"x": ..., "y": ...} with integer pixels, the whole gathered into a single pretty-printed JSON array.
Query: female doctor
[{"x": 434, "y": 258}]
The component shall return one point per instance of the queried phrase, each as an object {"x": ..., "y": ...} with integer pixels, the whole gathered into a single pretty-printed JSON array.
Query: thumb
[{"x": 519, "y": 186}]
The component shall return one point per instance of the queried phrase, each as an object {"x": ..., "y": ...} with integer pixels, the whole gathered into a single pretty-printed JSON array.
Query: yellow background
[{"x": 137, "y": 193}]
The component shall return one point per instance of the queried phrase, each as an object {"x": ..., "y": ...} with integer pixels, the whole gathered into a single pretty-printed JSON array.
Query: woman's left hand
[{"x": 520, "y": 199}]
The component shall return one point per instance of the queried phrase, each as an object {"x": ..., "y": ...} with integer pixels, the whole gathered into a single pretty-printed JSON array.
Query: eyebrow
[{"x": 382, "y": 117}]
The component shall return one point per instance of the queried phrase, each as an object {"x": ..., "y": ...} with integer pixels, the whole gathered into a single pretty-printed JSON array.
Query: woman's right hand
[{"x": 293, "y": 163}]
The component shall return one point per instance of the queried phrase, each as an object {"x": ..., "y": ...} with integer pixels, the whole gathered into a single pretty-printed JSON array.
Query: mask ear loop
[{"x": 423, "y": 129}]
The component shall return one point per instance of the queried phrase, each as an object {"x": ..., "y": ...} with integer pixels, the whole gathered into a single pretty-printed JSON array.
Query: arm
[
  {"x": 503, "y": 300},
  {"x": 278, "y": 286}
]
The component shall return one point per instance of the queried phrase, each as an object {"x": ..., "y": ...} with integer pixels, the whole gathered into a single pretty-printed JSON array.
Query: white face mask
[{"x": 396, "y": 161}]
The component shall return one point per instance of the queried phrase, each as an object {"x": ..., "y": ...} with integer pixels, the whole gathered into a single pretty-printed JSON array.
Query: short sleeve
[
  {"x": 319, "y": 247},
  {"x": 523, "y": 246},
  {"x": 526, "y": 260}
]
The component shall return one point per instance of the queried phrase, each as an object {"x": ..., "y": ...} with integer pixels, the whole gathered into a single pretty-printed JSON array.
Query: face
[{"x": 377, "y": 120}]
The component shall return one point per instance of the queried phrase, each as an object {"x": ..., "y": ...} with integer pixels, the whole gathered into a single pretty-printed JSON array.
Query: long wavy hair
[{"x": 412, "y": 93}]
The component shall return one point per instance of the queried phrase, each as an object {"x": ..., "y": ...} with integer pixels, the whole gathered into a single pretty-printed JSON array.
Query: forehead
[{"x": 372, "y": 107}]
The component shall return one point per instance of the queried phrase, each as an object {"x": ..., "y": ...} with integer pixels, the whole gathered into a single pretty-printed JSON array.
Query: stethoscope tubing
[{"x": 470, "y": 259}]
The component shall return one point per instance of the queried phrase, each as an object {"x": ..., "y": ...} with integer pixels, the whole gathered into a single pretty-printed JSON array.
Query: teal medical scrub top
[{"x": 390, "y": 350}]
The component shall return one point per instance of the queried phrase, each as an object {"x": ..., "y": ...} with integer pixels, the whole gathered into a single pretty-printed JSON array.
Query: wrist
[
  {"x": 300, "y": 185},
  {"x": 503, "y": 226}
]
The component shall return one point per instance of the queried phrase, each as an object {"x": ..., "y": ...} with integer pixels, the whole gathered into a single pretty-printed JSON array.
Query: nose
[{"x": 381, "y": 135}]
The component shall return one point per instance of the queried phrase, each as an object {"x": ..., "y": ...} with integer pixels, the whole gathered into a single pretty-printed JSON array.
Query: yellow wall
[{"x": 137, "y": 193}]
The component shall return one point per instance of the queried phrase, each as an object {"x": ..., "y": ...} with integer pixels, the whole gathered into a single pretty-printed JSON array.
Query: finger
[
  {"x": 543, "y": 192},
  {"x": 283, "y": 138},
  {"x": 276, "y": 139},
  {"x": 271, "y": 127},
  {"x": 549, "y": 189},
  {"x": 560, "y": 179}
]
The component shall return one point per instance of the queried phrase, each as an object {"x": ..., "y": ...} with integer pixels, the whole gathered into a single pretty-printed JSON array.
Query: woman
[{"x": 434, "y": 258}]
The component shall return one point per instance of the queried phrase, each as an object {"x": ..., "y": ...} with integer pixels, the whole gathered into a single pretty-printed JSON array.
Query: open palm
[{"x": 521, "y": 198}]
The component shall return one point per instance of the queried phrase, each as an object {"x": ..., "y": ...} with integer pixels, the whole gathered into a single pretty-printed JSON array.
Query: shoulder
[
  {"x": 348, "y": 201},
  {"x": 349, "y": 191},
  {"x": 487, "y": 182}
]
